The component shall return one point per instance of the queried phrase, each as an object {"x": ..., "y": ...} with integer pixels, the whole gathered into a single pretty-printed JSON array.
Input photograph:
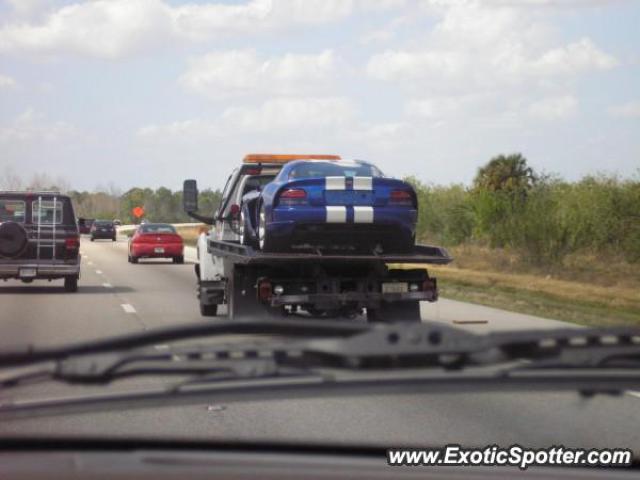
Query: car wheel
[
  {"x": 245, "y": 239},
  {"x": 134, "y": 259},
  {"x": 92, "y": 239},
  {"x": 113, "y": 239},
  {"x": 265, "y": 241},
  {"x": 179, "y": 259},
  {"x": 71, "y": 284}
]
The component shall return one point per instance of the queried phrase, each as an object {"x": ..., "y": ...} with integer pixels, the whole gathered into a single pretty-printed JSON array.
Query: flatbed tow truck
[{"x": 313, "y": 282}]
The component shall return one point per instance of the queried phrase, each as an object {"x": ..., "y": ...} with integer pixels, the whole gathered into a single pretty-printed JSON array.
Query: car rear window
[
  {"x": 155, "y": 228},
  {"x": 333, "y": 169},
  {"x": 44, "y": 211},
  {"x": 11, "y": 210}
]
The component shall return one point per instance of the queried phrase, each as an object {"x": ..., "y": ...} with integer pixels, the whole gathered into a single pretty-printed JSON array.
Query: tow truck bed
[{"x": 244, "y": 255}]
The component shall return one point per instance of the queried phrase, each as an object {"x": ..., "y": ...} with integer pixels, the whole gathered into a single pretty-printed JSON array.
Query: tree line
[{"x": 542, "y": 217}]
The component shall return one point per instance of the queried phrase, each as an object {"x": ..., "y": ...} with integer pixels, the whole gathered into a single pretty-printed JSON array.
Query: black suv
[
  {"x": 39, "y": 238},
  {"x": 103, "y": 229}
]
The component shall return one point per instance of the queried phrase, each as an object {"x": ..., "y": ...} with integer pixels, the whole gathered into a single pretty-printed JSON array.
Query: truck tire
[
  {"x": 395, "y": 312},
  {"x": 208, "y": 310},
  {"x": 70, "y": 284},
  {"x": 13, "y": 240}
]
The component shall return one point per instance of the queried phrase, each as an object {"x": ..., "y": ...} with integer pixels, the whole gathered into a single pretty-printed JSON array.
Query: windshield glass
[
  {"x": 157, "y": 228},
  {"x": 333, "y": 169},
  {"x": 454, "y": 183}
]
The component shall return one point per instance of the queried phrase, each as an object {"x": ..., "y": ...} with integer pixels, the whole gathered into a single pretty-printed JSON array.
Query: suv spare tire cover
[{"x": 13, "y": 239}]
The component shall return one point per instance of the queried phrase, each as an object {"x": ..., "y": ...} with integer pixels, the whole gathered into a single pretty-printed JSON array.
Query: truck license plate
[
  {"x": 158, "y": 250},
  {"x": 27, "y": 272},
  {"x": 395, "y": 287}
]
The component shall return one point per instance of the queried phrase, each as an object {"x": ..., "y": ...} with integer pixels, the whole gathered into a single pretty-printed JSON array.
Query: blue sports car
[{"x": 330, "y": 204}]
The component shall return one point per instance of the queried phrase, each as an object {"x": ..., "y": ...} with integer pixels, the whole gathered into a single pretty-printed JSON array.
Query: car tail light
[
  {"x": 401, "y": 197},
  {"x": 293, "y": 196},
  {"x": 264, "y": 290},
  {"x": 72, "y": 243}
]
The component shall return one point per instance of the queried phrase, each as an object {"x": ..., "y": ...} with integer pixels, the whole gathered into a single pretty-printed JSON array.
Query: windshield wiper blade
[
  {"x": 288, "y": 328},
  {"x": 394, "y": 358}
]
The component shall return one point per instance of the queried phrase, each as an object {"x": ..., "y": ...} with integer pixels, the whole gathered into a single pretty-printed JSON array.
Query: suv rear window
[
  {"x": 11, "y": 210},
  {"x": 45, "y": 212}
]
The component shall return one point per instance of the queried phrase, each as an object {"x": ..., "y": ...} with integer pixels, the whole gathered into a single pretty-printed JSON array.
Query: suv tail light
[
  {"x": 293, "y": 196},
  {"x": 401, "y": 198},
  {"x": 72, "y": 243}
]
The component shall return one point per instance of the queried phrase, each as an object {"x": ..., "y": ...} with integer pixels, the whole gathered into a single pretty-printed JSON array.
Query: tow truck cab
[{"x": 319, "y": 283}]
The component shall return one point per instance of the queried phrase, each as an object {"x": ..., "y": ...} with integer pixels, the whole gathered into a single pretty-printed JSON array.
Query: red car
[{"x": 156, "y": 240}]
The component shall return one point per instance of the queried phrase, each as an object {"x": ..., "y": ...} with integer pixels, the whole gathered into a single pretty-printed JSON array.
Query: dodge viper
[{"x": 330, "y": 204}]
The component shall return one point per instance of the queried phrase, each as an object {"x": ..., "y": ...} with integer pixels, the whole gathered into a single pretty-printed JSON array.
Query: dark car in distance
[{"x": 103, "y": 229}]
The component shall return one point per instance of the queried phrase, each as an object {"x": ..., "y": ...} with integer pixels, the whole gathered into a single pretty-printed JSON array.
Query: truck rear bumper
[
  {"x": 360, "y": 298},
  {"x": 42, "y": 270}
]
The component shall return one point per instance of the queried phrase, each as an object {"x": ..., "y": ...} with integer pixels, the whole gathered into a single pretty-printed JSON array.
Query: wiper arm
[
  {"x": 382, "y": 347},
  {"x": 394, "y": 358}
]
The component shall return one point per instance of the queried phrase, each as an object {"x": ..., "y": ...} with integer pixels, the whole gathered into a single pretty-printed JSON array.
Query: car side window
[{"x": 12, "y": 211}]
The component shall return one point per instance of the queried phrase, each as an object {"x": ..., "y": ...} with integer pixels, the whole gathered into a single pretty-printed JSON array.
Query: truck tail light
[
  {"x": 72, "y": 243},
  {"x": 401, "y": 198},
  {"x": 293, "y": 196},
  {"x": 264, "y": 290}
]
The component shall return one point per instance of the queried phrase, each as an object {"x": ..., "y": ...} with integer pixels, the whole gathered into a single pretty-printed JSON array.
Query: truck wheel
[
  {"x": 395, "y": 312},
  {"x": 207, "y": 310},
  {"x": 71, "y": 284}
]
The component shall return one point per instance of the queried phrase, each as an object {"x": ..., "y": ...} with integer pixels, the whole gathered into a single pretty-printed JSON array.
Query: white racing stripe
[
  {"x": 362, "y": 214},
  {"x": 363, "y": 183},
  {"x": 335, "y": 183},
  {"x": 336, "y": 214}
]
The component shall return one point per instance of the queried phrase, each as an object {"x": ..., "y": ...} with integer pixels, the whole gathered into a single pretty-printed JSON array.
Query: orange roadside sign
[{"x": 137, "y": 212}]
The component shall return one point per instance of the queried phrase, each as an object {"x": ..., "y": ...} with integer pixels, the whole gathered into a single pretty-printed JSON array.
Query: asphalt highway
[{"x": 116, "y": 297}]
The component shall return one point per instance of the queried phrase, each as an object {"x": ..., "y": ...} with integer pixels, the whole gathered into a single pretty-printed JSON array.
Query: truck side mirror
[{"x": 190, "y": 196}]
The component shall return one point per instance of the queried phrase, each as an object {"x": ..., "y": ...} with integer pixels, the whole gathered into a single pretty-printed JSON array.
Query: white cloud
[
  {"x": 116, "y": 28},
  {"x": 626, "y": 110},
  {"x": 7, "y": 82},
  {"x": 32, "y": 126},
  {"x": 554, "y": 108},
  {"x": 290, "y": 113},
  {"x": 240, "y": 72},
  {"x": 272, "y": 116},
  {"x": 475, "y": 47}
]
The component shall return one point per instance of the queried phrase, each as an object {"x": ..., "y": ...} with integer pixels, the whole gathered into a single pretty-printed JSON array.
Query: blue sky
[{"x": 149, "y": 92}]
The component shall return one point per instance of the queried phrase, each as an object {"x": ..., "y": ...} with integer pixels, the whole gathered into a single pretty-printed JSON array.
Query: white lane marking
[
  {"x": 363, "y": 183},
  {"x": 107, "y": 285},
  {"x": 362, "y": 214},
  {"x": 128, "y": 308},
  {"x": 99, "y": 272},
  {"x": 335, "y": 183},
  {"x": 161, "y": 347},
  {"x": 632, "y": 393},
  {"x": 90, "y": 263},
  {"x": 336, "y": 214}
]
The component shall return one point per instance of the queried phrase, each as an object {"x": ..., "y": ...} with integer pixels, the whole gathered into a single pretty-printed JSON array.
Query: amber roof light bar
[{"x": 284, "y": 158}]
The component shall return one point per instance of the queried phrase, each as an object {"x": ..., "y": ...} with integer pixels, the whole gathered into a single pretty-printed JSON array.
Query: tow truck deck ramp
[{"x": 320, "y": 283}]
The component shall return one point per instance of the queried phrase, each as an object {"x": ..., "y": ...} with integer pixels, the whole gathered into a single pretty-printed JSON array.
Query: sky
[{"x": 150, "y": 92}]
